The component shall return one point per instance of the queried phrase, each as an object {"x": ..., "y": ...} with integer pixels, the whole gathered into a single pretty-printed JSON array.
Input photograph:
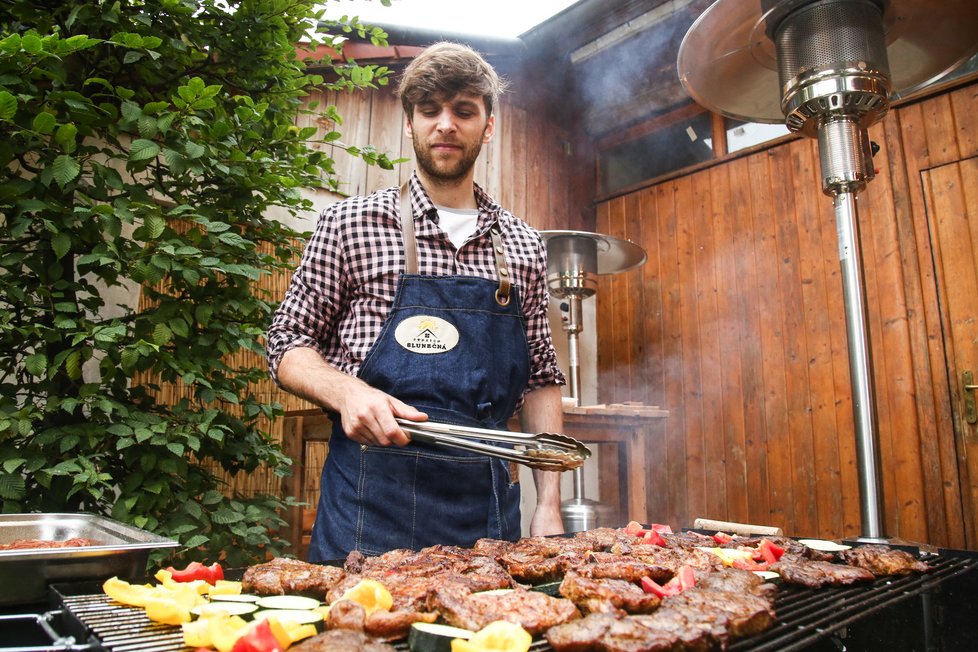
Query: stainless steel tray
[{"x": 123, "y": 551}]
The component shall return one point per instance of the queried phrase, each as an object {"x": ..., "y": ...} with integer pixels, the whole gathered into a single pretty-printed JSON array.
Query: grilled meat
[
  {"x": 883, "y": 561},
  {"x": 381, "y": 624},
  {"x": 30, "y": 544},
  {"x": 734, "y": 580},
  {"x": 667, "y": 630},
  {"x": 342, "y": 640},
  {"x": 699, "y": 618},
  {"x": 675, "y": 558},
  {"x": 606, "y": 595},
  {"x": 816, "y": 574},
  {"x": 534, "y": 611},
  {"x": 746, "y": 613},
  {"x": 281, "y": 576},
  {"x": 411, "y": 576},
  {"x": 623, "y": 567}
]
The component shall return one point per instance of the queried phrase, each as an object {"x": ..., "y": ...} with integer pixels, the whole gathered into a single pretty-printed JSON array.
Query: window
[{"x": 670, "y": 148}]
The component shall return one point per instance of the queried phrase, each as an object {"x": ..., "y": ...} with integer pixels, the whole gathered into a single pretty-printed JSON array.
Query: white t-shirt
[{"x": 458, "y": 223}]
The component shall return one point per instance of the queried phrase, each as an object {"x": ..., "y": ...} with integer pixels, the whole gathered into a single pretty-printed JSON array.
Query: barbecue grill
[{"x": 932, "y": 612}]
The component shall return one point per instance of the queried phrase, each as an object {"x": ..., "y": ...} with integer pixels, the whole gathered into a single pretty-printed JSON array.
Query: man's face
[{"x": 448, "y": 135}]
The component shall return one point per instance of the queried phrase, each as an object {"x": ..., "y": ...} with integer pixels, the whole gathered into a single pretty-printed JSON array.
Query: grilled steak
[
  {"x": 734, "y": 580},
  {"x": 606, "y": 595},
  {"x": 746, "y": 613},
  {"x": 281, "y": 576},
  {"x": 342, "y": 640},
  {"x": 881, "y": 561},
  {"x": 816, "y": 574},
  {"x": 385, "y": 625},
  {"x": 534, "y": 611},
  {"x": 411, "y": 576},
  {"x": 30, "y": 544},
  {"x": 667, "y": 630}
]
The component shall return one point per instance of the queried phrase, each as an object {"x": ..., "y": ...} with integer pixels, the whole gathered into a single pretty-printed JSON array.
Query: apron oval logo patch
[{"x": 426, "y": 334}]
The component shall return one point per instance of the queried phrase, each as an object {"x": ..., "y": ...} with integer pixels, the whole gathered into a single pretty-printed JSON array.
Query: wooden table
[
  {"x": 623, "y": 476},
  {"x": 627, "y": 432}
]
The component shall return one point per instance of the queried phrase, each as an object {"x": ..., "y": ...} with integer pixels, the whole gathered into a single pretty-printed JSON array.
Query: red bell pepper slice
[
  {"x": 769, "y": 552},
  {"x": 686, "y": 576},
  {"x": 259, "y": 639},
  {"x": 750, "y": 564},
  {"x": 681, "y": 581},
  {"x": 652, "y": 536},
  {"x": 651, "y": 586},
  {"x": 634, "y": 528},
  {"x": 722, "y": 538},
  {"x": 197, "y": 571}
]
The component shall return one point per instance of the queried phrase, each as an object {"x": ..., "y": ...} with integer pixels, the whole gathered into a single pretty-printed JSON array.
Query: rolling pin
[{"x": 743, "y": 529}]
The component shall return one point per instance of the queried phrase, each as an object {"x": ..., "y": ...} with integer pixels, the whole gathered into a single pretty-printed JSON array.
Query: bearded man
[{"x": 425, "y": 301}]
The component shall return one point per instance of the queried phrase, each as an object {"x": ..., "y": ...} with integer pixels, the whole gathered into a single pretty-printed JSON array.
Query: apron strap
[
  {"x": 502, "y": 294},
  {"x": 406, "y": 209}
]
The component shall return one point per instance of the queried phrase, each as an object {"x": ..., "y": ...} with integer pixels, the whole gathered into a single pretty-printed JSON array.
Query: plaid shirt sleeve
[
  {"x": 544, "y": 369},
  {"x": 308, "y": 314}
]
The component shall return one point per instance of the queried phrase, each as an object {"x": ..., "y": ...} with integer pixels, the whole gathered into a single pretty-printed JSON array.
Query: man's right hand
[{"x": 367, "y": 414}]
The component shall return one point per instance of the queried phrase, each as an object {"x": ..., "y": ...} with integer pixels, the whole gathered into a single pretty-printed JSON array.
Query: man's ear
[
  {"x": 489, "y": 130},
  {"x": 408, "y": 127}
]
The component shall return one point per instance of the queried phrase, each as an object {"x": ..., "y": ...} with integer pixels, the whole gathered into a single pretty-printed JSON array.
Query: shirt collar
[{"x": 489, "y": 210}]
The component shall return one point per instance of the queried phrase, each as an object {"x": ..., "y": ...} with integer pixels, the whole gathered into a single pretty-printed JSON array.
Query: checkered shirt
[{"x": 344, "y": 285}]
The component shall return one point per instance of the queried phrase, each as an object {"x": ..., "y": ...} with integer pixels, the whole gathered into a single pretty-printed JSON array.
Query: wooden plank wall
[{"x": 736, "y": 326}]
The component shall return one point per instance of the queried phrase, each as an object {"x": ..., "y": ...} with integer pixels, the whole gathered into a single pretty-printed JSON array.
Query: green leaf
[
  {"x": 65, "y": 136},
  {"x": 44, "y": 123},
  {"x": 142, "y": 149},
  {"x": 155, "y": 225},
  {"x": 66, "y": 169},
  {"x": 162, "y": 334},
  {"x": 196, "y": 541},
  {"x": 36, "y": 364},
  {"x": 61, "y": 243},
  {"x": 226, "y": 516},
  {"x": 12, "y": 487},
  {"x": 8, "y": 105}
]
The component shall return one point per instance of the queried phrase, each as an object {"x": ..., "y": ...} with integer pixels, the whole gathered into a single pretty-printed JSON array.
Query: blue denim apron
[{"x": 374, "y": 499}]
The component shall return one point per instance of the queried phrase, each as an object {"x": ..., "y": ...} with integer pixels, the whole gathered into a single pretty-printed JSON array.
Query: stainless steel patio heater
[
  {"x": 828, "y": 69},
  {"x": 574, "y": 261}
]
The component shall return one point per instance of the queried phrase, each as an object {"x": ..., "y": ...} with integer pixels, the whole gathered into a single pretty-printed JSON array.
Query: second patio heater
[
  {"x": 574, "y": 261},
  {"x": 828, "y": 69}
]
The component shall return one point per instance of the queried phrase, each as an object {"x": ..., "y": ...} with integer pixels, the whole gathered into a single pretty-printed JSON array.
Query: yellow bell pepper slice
[
  {"x": 224, "y": 587},
  {"x": 497, "y": 636},
  {"x": 134, "y": 595},
  {"x": 196, "y": 633},
  {"x": 225, "y": 631},
  {"x": 167, "y": 610},
  {"x": 371, "y": 594}
]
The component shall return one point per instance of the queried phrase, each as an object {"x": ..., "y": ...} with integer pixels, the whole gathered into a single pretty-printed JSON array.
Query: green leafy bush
[{"x": 143, "y": 144}]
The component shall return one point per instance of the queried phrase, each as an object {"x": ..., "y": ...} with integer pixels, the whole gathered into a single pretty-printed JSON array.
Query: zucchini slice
[
  {"x": 823, "y": 545},
  {"x": 231, "y": 608},
  {"x": 549, "y": 588},
  {"x": 432, "y": 637},
  {"x": 234, "y": 597},
  {"x": 290, "y": 602}
]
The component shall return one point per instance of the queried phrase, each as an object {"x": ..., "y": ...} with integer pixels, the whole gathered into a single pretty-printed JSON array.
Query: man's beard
[{"x": 444, "y": 170}]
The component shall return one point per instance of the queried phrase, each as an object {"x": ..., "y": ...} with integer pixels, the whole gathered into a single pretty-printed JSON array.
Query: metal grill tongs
[{"x": 547, "y": 451}]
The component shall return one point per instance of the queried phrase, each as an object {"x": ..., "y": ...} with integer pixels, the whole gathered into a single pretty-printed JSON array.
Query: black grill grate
[{"x": 804, "y": 616}]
